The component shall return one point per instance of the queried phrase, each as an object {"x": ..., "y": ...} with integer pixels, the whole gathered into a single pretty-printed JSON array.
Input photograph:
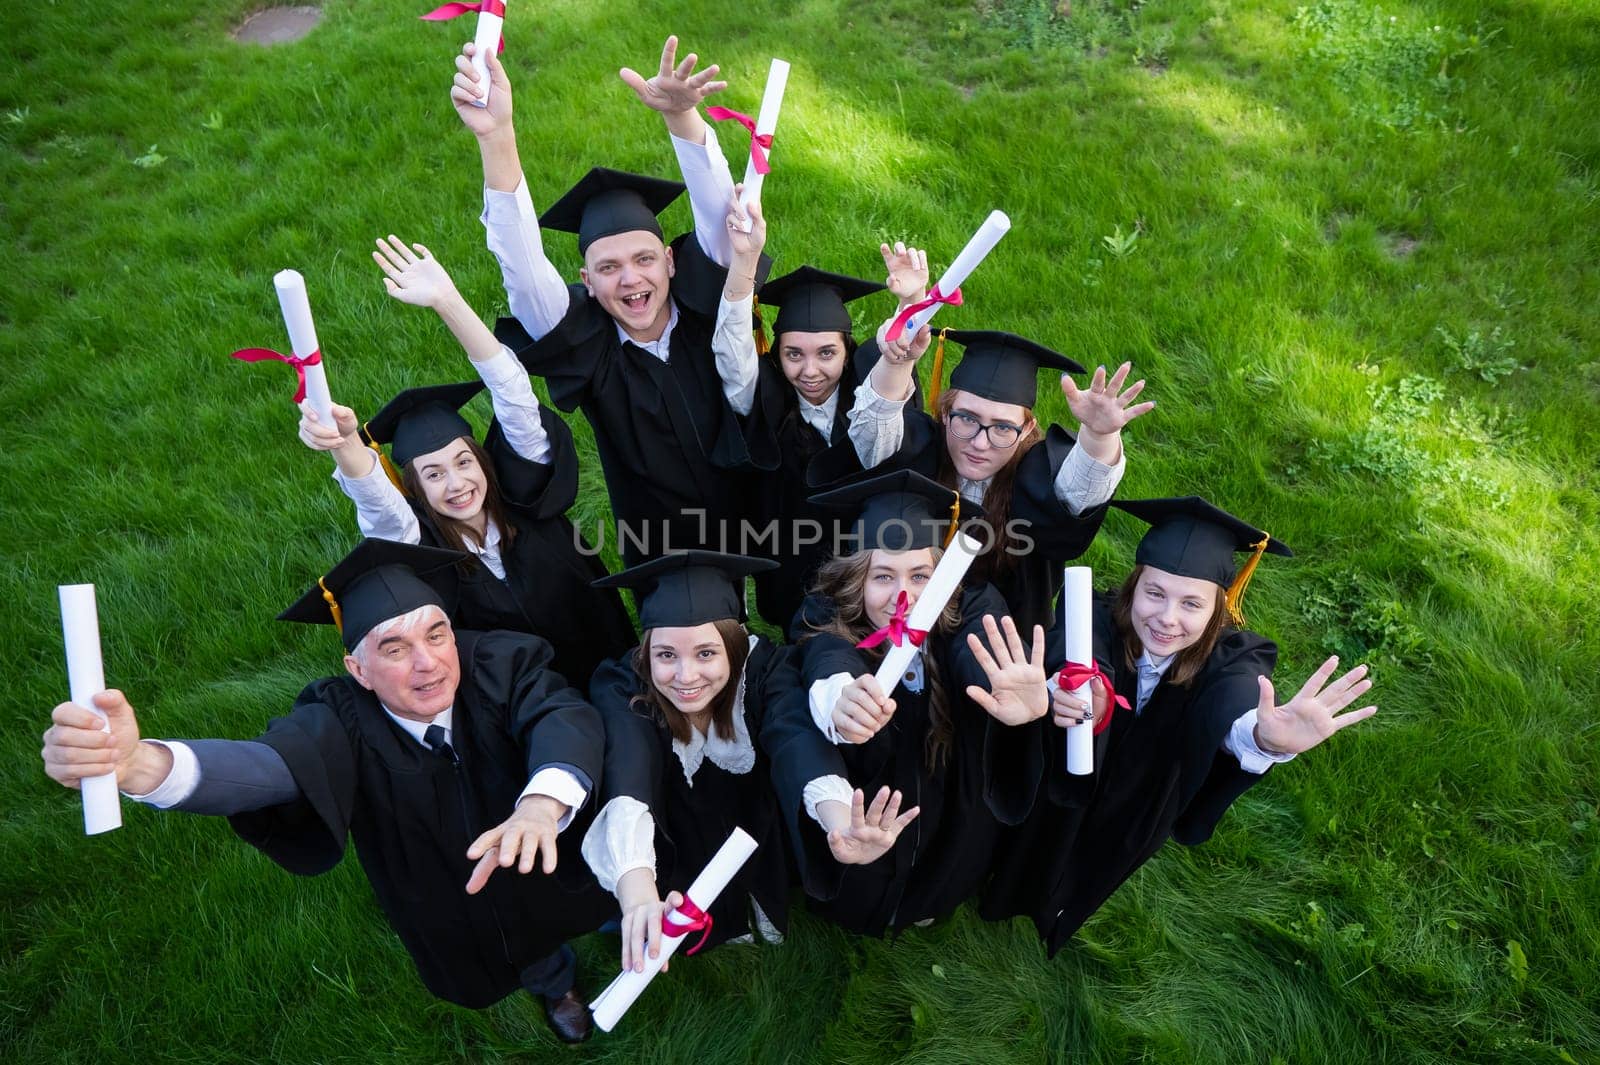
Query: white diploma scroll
[
  {"x": 622, "y": 992},
  {"x": 942, "y": 585},
  {"x": 1076, "y": 596},
  {"x": 86, "y": 678},
  {"x": 303, "y": 339},
  {"x": 982, "y": 243},
  {"x": 483, "y": 46},
  {"x": 766, "y": 125}
]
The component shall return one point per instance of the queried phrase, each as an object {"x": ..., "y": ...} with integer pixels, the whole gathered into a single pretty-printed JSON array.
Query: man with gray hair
[{"x": 432, "y": 738}]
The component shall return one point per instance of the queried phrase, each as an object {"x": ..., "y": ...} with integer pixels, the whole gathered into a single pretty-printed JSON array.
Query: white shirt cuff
[
  {"x": 1084, "y": 482},
  {"x": 1241, "y": 743},
  {"x": 824, "y": 789},
  {"x": 516, "y": 407},
  {"x": 824, "y": 697},
  {"x": 561, "y": 786},
  {"x": 622, "y": 839},
  {"x": 179, "y": 783},
  {"x": 381, "y": 509}
]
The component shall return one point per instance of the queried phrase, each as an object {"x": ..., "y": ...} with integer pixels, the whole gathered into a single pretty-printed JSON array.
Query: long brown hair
[
  {"x": 736, "y": 642},
  {"x": 1191, "y": 659},
  {"x": 455, "y": 533},
  {"x": 844, "y": 581},
  {"x": 996, "y": 561}
]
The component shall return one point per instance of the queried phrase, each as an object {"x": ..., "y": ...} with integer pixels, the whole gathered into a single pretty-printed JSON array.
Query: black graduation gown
[
  {"x": 942, "y": 856},
  {"x": 1041, "y": 529},
  {"x": 413, "y": 812},
  {"x": 676, "y": 457},
  {"x": 546, "y": 590},
  {"x": 1160, "y": 774},
  {"x": 694, "y": 818}
]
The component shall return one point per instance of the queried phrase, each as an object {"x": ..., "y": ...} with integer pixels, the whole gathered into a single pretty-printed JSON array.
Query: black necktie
[{"x": 434, "y": 737}]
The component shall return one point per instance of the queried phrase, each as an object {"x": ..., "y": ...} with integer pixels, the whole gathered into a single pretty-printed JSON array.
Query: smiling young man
[
  {"x": 430, "y": 738},
  {"x": 631, "y": 344}
]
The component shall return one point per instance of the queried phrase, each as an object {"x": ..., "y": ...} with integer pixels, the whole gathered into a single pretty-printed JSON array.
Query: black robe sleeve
[
  {"x": 559, "y": 356},
  {"x": 1225, "y": 691},
  {"x": 307, "y": 836},
  {"x": 1058, "y": 534},
  {"x": 633, "y": 758},
  {"x": 537, "y": 489},
  {"x": 550, "y": 720}
]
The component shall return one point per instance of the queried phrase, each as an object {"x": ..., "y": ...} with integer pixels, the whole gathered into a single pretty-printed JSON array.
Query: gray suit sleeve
[{"x": 237, "y": 776}]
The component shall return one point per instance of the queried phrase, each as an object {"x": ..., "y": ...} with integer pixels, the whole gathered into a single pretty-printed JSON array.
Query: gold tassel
[
  {"x": 955, "y": 522},
  {"x": 1242, "y": 581},
  {"x": 383, "y": 460},
  {"x": 761, "y": 327},
  {"x": 333, "y": 604},
  {"x": 938, "y": 374}
]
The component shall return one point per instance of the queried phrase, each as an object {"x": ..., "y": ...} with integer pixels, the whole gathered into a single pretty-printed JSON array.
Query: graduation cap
[
  {"x": 813, "y": 301},
  {"x": 606, "y": 202},
  {"x": 420, "y": 420},
  {"x": 999, "y": 366},
  {"x": 901, "y": 511},
  {"x": 1192, "y": 538},
  {"x": 688, "y": 587},
  {"x": 379, "y": 580}
]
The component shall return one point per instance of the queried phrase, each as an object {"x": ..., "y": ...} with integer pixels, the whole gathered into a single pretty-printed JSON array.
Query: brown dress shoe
[{"x": 569, "y": 1017}]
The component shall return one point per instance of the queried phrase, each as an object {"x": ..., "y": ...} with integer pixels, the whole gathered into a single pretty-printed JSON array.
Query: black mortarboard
[
  {"x": 1003, "y": 366},
  {"x": 1192, "y": 538},
  {"x": 606, "y": 202},
  {"x": 813, "y": 301},
  {"x": 688, "y": 587},
  {"x": 900, "y": 511},
  {"x": 379, "y": 580},
  {"x": 420, "y": 420}
]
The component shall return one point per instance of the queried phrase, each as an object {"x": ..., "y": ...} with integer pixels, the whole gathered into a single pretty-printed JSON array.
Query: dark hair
[
  {"x": 1191, "y": 659},
  {"x": 843, "y": 581},
  {"x": 995, "y": 563},
  {"x": 454, "y": 533},
  {"x": 736, "y": 642}
]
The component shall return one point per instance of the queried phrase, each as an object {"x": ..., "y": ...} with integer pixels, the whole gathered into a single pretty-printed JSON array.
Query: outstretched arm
[{"x": 733, "y": 341}]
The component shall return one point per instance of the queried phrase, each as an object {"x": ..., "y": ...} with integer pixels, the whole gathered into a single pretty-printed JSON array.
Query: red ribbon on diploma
[
  {"x": 898, "y": 326},
  {"x": 698, "y": 921},
  {"x": 299, "y": 364},
  {"x": 1074, "y": 674},
  {"x": 897, "y": 631},
  {"x": 456, "y": 10},
  {"x": 760, "y": 143}
]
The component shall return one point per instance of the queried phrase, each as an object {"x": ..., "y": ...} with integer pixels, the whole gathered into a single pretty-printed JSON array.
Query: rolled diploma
[
  {"x": 303, "y": 339},
  {"x": 622, "y": 992},
  {"x": 86, "y": 678},
  {"x": 483, "y": 45},
  {"x": 766, "y": 123},
  {"x": 1076, "y": 594},
  {"x": 930, "y": 604},
  {"x": 982, "y": 243}
]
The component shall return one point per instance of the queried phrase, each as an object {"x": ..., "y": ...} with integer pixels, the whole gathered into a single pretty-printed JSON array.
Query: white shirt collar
[
  {"x": 659, "y": 348},
  {"x": 416, "y": 729},
  {"x": 736, "y": 755},
  {"x": 820, "y": 415}
]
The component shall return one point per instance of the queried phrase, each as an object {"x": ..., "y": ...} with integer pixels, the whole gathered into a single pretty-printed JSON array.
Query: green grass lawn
[{"x": 1352, "y": 248}]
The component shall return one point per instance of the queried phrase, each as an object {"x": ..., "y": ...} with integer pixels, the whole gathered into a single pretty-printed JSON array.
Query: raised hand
[
  {"x": 79, "y": 744},
  {"x": 412, "y": 275},
  {"x": 465, "y": 88},
  {"x": 908, "y": 271},
  {"x": 906, "y": 349},
  {"x": 862, "y": 709},
  {"x": 1313, "y": 714},
  {"x": 871, "y": 832},
  {"x": 1067, "y": 709},
  {"x": 531, "y": 828},
  {"x": 321, "y": 437},
  {"x": 749, "y": 244},
  {"x": 676, "y": 87},
  {"x": 1017, "y": 692},
  {"x": 1105, "y": 406}
]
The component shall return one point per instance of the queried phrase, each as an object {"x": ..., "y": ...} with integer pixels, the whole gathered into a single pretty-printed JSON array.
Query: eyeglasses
[{"x": 1001, "y": 434}]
